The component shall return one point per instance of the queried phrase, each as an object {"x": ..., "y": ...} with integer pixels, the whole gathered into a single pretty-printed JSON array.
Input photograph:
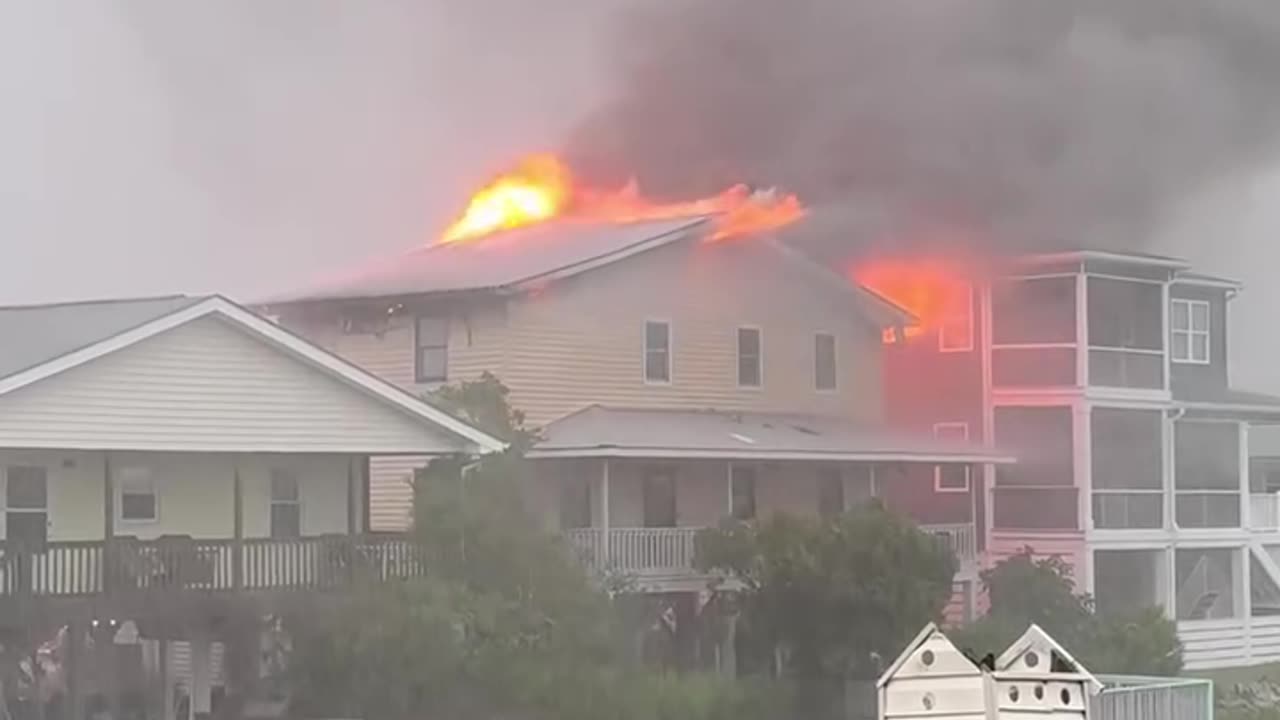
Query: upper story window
[
  {"x": 951, "y": 478},
  {"x": 824, "y": 361},
  {"x": 750, "y": 357},
  {"x": 286, "y": 505},
  {"x": 1189, "y": 331},
  {"x": 657, "y": 351},
  {"x": 431, "y": 347},
  {"x": 955, "y": 332},
  {"x": 137, "y": 495}
]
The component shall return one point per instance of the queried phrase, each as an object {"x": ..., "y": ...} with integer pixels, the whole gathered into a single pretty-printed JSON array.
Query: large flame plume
[
  {"x": 932, "y": 290},
  {"x": 541, "y": 187}
]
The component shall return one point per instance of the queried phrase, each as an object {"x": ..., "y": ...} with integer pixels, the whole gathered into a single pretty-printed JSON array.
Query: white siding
[
  {"x": 207, "y": 386},
  {"x": 194, "y": 492}
]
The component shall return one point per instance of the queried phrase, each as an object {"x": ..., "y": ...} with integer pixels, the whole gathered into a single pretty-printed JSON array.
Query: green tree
[
  {"x": 832, "y": 595},
  {"x": 507, "y": 624},
  {"x": 1024, "y": 589}
]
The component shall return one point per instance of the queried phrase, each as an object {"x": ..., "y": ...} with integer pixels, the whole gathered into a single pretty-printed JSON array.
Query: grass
[{"x": 1228, "y": 677}]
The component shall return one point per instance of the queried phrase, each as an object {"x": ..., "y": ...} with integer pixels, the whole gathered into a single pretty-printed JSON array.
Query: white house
[{"x": 179, "y": 461}]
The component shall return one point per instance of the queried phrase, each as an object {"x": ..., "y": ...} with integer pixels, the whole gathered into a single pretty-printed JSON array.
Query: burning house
[
  {"x": 684, "y": 367},
  {"x": 1106, "y": 374}
]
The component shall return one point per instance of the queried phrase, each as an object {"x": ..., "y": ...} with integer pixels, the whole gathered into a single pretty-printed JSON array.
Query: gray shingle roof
[
  {"x": 32, "y": 335},
  {"x": 613, "y": 432},
  {"x": 501, "y": 260}
]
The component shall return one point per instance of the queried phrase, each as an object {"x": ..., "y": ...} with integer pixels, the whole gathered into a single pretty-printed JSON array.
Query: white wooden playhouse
[{"x": 1034, "y": 678}]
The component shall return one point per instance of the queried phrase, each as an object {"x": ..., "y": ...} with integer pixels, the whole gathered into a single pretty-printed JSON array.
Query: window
[
  {"x": 742, "y": 492},
  {"x": 26, "y": 488},
  {"x": 830, "y": 492},
  {"x": 951, "y": 478},
  {"x": 431, "y": 343},
  {"x": 286, "y": 505},
  {"x": 136, "y": 495},
  {"x": 1189, "y": 331},
  {"x": 955, "y": 333},
  {"x": 659, "y": 491},
  {"x": 824, "y": 361},
  {"x": 750, "y": 357},
  {"x": 657, "y": 351}
]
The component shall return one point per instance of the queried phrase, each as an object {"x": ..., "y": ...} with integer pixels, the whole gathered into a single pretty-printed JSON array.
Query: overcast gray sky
[
  {"x": 172, "y": 145},
  {"x": 244, "y": 146}
]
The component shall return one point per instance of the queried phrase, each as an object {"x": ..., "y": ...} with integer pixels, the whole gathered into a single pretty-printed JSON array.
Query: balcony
[
  {"x": 128, "y": 567},
  {"x": 669, "y": 551}
]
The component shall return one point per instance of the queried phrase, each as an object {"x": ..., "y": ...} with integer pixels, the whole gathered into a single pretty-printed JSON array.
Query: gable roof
[
  {"x": 503, "y": 260},
  {"x": 1036, "y": 639},
  {"x": 597, "y": 431},
  {"x": 930, "y": 633},
  {"x": 521, "y": 258},
  {"x": 86, "y": 331},
  {"x": 34, "y": 334}
]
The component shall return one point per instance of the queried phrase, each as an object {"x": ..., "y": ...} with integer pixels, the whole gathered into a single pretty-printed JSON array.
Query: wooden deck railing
[
  {"x": 666, "y": 551},
  {"x": 127, "y": 566}
]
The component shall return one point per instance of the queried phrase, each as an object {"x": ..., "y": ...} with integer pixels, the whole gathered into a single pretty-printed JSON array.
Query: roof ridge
[{"x": 103, "y": 301}]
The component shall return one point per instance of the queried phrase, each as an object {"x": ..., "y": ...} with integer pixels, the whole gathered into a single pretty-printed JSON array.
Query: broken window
[{"x": 1206, "y": 587}]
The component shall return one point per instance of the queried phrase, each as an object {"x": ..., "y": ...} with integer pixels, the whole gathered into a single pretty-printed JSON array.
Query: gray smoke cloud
[{"x": 1031, "y": 123}]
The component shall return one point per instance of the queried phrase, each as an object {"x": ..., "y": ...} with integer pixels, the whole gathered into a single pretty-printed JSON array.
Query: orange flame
[
  {"x": 541, "y": 188},
  {"x": 931, "y": 290}
]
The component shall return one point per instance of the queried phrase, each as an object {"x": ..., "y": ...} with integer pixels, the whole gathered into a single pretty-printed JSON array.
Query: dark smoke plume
[{"x": 1032, "y": 123}]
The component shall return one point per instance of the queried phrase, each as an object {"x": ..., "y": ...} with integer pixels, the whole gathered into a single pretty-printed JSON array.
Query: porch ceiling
[{"x": 598, "y": 431}]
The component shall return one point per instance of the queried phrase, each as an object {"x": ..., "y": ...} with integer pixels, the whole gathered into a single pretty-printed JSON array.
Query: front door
[{"x": 26, "y": 495}]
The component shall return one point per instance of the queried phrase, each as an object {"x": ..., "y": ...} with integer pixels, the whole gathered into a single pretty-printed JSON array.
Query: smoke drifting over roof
[{"x": 1032, "y": 123}]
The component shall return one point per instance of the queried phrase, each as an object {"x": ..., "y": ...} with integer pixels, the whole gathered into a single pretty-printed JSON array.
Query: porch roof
[
  {"x": 1229, "y": 403},
  {"x": 598, "y": 431}
]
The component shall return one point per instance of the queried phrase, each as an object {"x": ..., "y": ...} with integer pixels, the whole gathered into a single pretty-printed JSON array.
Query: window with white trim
[
  {"x": 286, "y": 505},
  {"x": 136, "y": 495},
  {"x": 955, "y": 332},
  {"x": 657, "y": 351},
  {"x": 824, "y": 361},
  {"x": 431, "y": 348},
  {"x": 1189, "y": 331},
  {"x": 750, "y": 357},
  {"x": 951, "y": 478}
]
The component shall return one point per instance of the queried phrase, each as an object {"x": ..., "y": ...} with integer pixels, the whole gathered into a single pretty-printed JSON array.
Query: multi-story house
[
  {"x": 172, "y": 469},
  {"x": 1106, "y": 375},
  {"x": 677, "y": 381}
]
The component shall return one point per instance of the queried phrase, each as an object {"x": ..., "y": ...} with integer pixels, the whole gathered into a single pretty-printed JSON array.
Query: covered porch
[{"x": 632, "y": 489}]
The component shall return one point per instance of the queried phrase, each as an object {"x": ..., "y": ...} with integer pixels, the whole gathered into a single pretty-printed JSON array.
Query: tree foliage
[
  {"x": 1024, "y": 589},
  {"x": 507, "y": 624},
  {"x": 833, "y": 594}
]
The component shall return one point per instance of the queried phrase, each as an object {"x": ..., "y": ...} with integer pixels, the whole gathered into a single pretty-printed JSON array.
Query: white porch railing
[
  {"x": 670, "y": 550},
  {"x": 1142, "y": 698},
  {"x": 959, "y": 538},
  {"x": 637, "y": 550},
  {"x": 1264, "y": 511}
]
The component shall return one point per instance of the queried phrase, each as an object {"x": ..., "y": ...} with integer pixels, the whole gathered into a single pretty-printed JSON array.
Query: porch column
[
  {"x": 351, "y": 496},
  {"x": 604, "y": 514},
  {"x": 1242, "y": 440},
  {"x": 108, "y": 522},
  {"x": 237, "y": 527},
  {"x": 201, "y": 675},
  {"x": 1244, "y": 587}
]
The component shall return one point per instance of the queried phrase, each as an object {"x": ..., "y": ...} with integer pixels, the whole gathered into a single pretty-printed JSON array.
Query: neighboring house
[
  {"x": 678, "y": 381},
  {"x": 183, "y": 464},
  {"x": 1106, "y": 374}
]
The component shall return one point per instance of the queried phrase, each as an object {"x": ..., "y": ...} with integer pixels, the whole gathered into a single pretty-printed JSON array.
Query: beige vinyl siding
[
  {"x": 194, "y": 492},
  {"x": 207, "y": 386},
  {"x": 580, "y": 341}
]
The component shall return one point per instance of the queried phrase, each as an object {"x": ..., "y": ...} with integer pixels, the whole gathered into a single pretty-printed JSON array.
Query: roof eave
[{"x": 676, "y": 453}]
